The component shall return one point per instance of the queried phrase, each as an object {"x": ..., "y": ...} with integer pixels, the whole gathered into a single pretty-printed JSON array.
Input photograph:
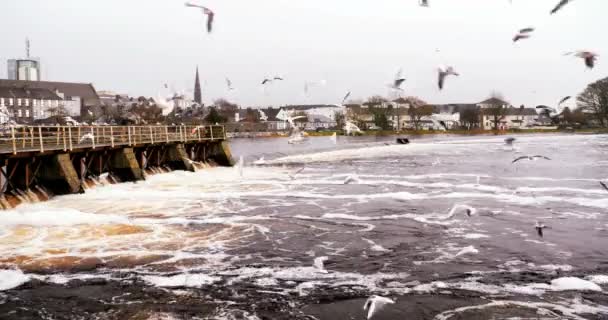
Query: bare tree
[
  {"x": 594, "y": 100},
  {"x": 496, "y": 110}
]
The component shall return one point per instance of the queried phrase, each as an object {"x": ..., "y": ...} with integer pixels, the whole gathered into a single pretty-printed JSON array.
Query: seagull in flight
[
  {"x": 539, "y": 228},
  {"x": 561, "y": 4},
  {"x": 531, "y": 158},
  {"x": 604, "y": 185},
  {"x": 88, "y": 136},
  {"x": 271, "y": 80},
  {"x": 509, "y": 141},
  {"x": 353, "y": 178},
  {"x": 375, "y": 304},
  {"x": 210, "y": 14},
  {"x": 588, "y": 56},
  {"x": 524, "y": 33},
  {"x": 424, "y": 3},
  {"x": 398, "y": 81},
  {"x": 443, "y": 72},
  {"x": 293, "y": 175},
  {"x": 229, "y": 84}
]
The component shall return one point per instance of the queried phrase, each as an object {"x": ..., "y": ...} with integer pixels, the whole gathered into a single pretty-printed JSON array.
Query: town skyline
[{"x": 167, "y": 46}]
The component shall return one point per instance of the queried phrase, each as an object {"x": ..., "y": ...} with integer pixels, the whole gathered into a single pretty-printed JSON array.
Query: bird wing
[
  {"x": 441, "y": 79},
  {"x": 346, "y": 97},
  {"x": 520, "y": 158},
  {"x": 278, "y": 78},
  {"x": 604, "y": 185},
  {"x": 372, "y": 309},
  {"x": 543, "y": 157},
  {"x": 526, "y": 30},
  {"x": 398, "y": 75},
  {"x": 559, "y": 6},
  {"x": 266, "y": 81},
  {"x": 590, "y": 61},
  {"x": 210, "y": 17},
  {"x": 564, "y": 100},
  {"x": 193, "y": 5},
  {"x": 398, "y": 82},
  {"x": 228, "y": 83}
]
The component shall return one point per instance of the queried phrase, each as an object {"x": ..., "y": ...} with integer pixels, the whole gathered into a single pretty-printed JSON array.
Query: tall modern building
[
  {"x": 197, "y": 89},
  {"x": 27, "y": 68}
]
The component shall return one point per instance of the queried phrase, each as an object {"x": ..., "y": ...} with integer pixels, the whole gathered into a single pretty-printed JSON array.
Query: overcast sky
[{"x": 134, "y": 46}]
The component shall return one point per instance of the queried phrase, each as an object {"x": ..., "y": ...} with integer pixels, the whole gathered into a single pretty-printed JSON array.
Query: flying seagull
[
  {"x": 210, "y": 14},
  {"x": 424, "y": 3},
  {"x": 509, "y": 141},
  {"x": 560, "y": 5},
  {"x": 604, "y": 185},
  {"x": 375, "y": 304},
  {"x": 539, "y": 228},
  {"x": 564, "y": 100},
  {"x": 588, "y": 56},
  {"x": 444, "y": 71},
  {"x": 524, "y": 33},
  {"x": 88, "y": 136},
  {"x": 547, "y": 109},
  {"x": 229, "y": 84},
  {"x": 353, "y": 178},
  {"x": 270, "y": 80},
  {"x": 292, "y": 175},
  {"x": 531, "y": 158},
  {"x": 398, "y": 81}
]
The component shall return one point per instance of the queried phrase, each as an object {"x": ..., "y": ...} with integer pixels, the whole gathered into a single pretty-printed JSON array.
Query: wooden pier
[{"x": 60, "y": 158}]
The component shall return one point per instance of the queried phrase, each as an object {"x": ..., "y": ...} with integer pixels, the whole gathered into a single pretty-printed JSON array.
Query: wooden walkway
[{"x": 27, "y": 139}]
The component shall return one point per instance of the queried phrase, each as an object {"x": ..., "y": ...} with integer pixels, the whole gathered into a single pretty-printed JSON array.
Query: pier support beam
[
  {"x": 178, "y": 159},
  {"x": 58, "y": 175},
  {"x": 220, "y": 153},
  {"x": 124, "y": 165}
]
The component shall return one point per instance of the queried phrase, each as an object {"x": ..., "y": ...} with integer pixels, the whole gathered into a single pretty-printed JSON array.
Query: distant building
[
  {"x": 27, "y": 68},
  {"x": 76, "y": 98},
  {"x": 25, "y": 105}
]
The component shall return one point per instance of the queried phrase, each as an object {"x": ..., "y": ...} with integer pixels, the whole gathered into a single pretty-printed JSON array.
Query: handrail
[{"x": 67, "y": 138}]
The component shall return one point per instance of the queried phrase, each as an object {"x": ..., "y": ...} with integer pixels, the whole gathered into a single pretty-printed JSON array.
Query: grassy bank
[{"x": 460, "y": 132}]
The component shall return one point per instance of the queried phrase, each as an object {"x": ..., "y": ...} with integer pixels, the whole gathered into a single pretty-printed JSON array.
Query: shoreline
[{"x": 381, "y": 133}]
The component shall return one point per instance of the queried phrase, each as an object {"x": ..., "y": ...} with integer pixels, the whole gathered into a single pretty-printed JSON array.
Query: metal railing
[{"x": 17, "y": 139}]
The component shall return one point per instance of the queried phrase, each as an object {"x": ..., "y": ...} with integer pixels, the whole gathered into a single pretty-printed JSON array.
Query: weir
[{"x": 61, "y": 158}]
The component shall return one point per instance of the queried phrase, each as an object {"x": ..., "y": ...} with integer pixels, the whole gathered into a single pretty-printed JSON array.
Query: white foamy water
[{"x": 260, "y": 231}]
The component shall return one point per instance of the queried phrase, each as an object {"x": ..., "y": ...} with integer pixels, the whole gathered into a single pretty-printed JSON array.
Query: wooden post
[
  {"x": 211, "y": 129},
  {"x": 70, "y": 137},
  {"x": 112, "y": 136},
  {"x": 57, "y": 131},
  {"x": 14, "y": 142},
  {"x": 64, "y": 142},
  {"x": 129, "y": 133},
  {"x": 167, "y": 133},
  {"x": 151, "y": 135},
  {"x": 41, "y": 141},
  {"x": 94, "y": 136},
  {"x": 23, "y": 137},
  {"x": 79, "y": 135},
  {"x": 198, "y": 132},
  {"x": 103, "y": 134},
  {"x": 31, "y": 137}
]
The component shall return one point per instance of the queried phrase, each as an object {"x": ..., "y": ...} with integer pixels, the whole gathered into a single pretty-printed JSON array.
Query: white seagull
[
  {"x": 88, "y": 136},
  {"x": 229, "y": 84},
  {"x": 588, "y": 56},
  {"x": 444, "y": 71},
  {"x": 210, "y": 14},
  {"x": 531, "y": 158},
  {"x": 293, "y": 175},
  {"x": 353, "y": 178},
  {"x": 560, "y": 5},
  {"x": 346, "y": 97},
  {"x": 396, "y": 85},
  {"x": 539, "y": 228},
  {"x": 424, "y": 3},
  {"x": 350, "y": 128},
  {"x": 375, "y": 304}
]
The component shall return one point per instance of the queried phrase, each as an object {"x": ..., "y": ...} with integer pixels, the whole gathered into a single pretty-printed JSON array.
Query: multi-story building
[
  {"x": 78, "y": 98},
  {"x": 25, "y": 105},
  {"x": 27, "y": 68}
]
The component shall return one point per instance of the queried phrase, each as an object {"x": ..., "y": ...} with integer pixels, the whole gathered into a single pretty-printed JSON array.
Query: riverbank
[{"x": 419, "y": 132}]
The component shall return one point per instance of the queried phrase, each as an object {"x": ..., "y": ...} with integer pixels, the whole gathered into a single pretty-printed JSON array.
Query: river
[{"x": 286, "y": 238}]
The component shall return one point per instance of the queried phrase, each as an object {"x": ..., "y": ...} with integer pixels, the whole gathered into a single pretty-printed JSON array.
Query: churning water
[{"x": 280, "y": 243}]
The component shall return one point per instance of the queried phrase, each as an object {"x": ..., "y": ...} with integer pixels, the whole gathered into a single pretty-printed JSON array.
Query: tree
[
  {"x": 375, "y": 100},
  {"x": 469, "y": 117},
  {"x": 380, "y": 118},
  {"x": 594, "y": 100},
  {"x": 226, "y": 108},
  {"x": 496, "y": 110},
  {"x": 417, "y": 112},
  {"x": 252, "y": 115},
  {"x": 214, "y": 116},
  {"x": 340, "y": 119}
]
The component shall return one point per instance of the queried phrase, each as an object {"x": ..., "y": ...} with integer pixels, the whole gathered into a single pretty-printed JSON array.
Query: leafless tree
[{"x": 594, "y": 100}]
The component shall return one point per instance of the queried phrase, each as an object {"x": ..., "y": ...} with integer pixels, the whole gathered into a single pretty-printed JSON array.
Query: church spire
[{"x": 197, "y": 89}]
